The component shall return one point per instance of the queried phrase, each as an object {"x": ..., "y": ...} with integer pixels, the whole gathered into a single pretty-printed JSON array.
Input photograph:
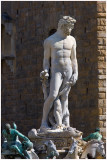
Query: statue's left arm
[
  {"x": 74, "y": 63},
  {"x": 21, "y": 136}
]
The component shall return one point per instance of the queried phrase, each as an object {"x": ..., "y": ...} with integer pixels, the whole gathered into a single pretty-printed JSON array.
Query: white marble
[
  {"x": 32, "y": 133},
  {"x": 60, "y": 71},
  {"x": 95, "y": 148}
]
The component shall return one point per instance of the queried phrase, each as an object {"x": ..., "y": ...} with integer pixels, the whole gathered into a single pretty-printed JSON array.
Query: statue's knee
[{"x": 53, "y": 96}]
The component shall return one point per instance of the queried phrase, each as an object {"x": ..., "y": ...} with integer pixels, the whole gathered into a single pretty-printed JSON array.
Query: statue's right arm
[
  {"x": 21, "y": 135},
  {"x": 88, "y": 137},
  {"x": 47, "y": 55}
]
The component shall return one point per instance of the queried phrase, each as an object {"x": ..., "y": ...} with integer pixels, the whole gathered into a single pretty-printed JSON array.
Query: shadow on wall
[{"x": 84, "y": 96}]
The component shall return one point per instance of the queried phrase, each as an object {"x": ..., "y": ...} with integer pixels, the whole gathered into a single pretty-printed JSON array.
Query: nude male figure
[{"x": 60, "y": 64}]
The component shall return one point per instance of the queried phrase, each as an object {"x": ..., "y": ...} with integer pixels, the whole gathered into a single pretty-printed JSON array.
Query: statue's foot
[
  {"x": 44, "y": 128},
  {"x": 45, "y": 125},
  {"x": 56, "y": 126}
]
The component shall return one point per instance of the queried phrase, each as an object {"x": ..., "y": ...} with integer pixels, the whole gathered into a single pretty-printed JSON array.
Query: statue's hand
[
  {"x": 74, "y": 79},
  {"x": 44, "y": 75}
]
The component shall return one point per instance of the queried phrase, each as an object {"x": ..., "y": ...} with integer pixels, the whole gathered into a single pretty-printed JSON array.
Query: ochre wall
[{"x": 22, "y": 97}]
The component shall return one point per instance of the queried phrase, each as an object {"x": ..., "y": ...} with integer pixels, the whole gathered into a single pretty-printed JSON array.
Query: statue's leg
[
  {"x": 64, "y": 98},
  {"x": 55, "y": 83},
  {"x": 26, "y": 154},
  {"x": 65, "y": 111},
  {"x": 16, "y": 148}
]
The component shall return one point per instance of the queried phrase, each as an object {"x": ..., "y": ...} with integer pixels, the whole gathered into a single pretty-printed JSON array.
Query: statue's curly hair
[{"x": 66, "y": 20}]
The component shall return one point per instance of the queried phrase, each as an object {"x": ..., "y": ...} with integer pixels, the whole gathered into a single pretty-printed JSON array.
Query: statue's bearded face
[{"x": 67, "y": 28}]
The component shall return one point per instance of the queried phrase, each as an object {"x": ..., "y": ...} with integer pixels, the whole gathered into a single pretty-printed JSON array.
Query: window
[{"x": 8, "y": 31}]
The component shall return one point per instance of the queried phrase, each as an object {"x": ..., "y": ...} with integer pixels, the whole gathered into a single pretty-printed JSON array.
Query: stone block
[
  {"x": 101, "y": 83},
  {"x": 101, "y": 28},
  {"x": 101, "y": 34},
  {"x": 101, "y": 47},
  {"x": 103, "y": 130},
  {"x": 100, "y": 102},
  {"x": 101, "y": 21},
  {"x": 100, "y": 58},
  {"x": 104, "y": 139},
  {"x": 100, "y": 41},
  {"x": 104, "y": 124},
  {"x": 104, "y": 41},
  {"x": 101, "y": 65},
  {"x": 101, "y": 76},
  {"x": 100, "y": 111},
  {"x": 102, "y": 117},
  {"x": 104, "y": 111},
  {"x": 101, "y": 71},
  {"x": 104, "y": 83},
  {"x": 101, "y": 52},
  {"x": 100, "y": 124},
  {"x": 101, "y": 7},
  {"x": 104, "y": 134},
  {"x": 104, "y": 100},
  {"x": 101, "y": 95},
  {"x": 101, "y": 15}
]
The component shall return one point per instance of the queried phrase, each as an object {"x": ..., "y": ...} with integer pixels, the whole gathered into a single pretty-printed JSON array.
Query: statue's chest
[
  {"x": 11, "y": 137},
  {"x": 62, "y": 44}
]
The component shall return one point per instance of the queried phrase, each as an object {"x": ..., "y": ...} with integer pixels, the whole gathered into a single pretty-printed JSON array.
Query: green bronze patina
[
  {"x": 95, "y": 135},
  {"x": 12, "y": 142}
]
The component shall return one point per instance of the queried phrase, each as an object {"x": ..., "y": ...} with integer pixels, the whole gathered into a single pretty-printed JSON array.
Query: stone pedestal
[{"x": 62, "y": 140}]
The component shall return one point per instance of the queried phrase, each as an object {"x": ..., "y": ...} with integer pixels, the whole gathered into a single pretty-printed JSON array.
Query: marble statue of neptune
[{"x": 60, "y": 72}]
